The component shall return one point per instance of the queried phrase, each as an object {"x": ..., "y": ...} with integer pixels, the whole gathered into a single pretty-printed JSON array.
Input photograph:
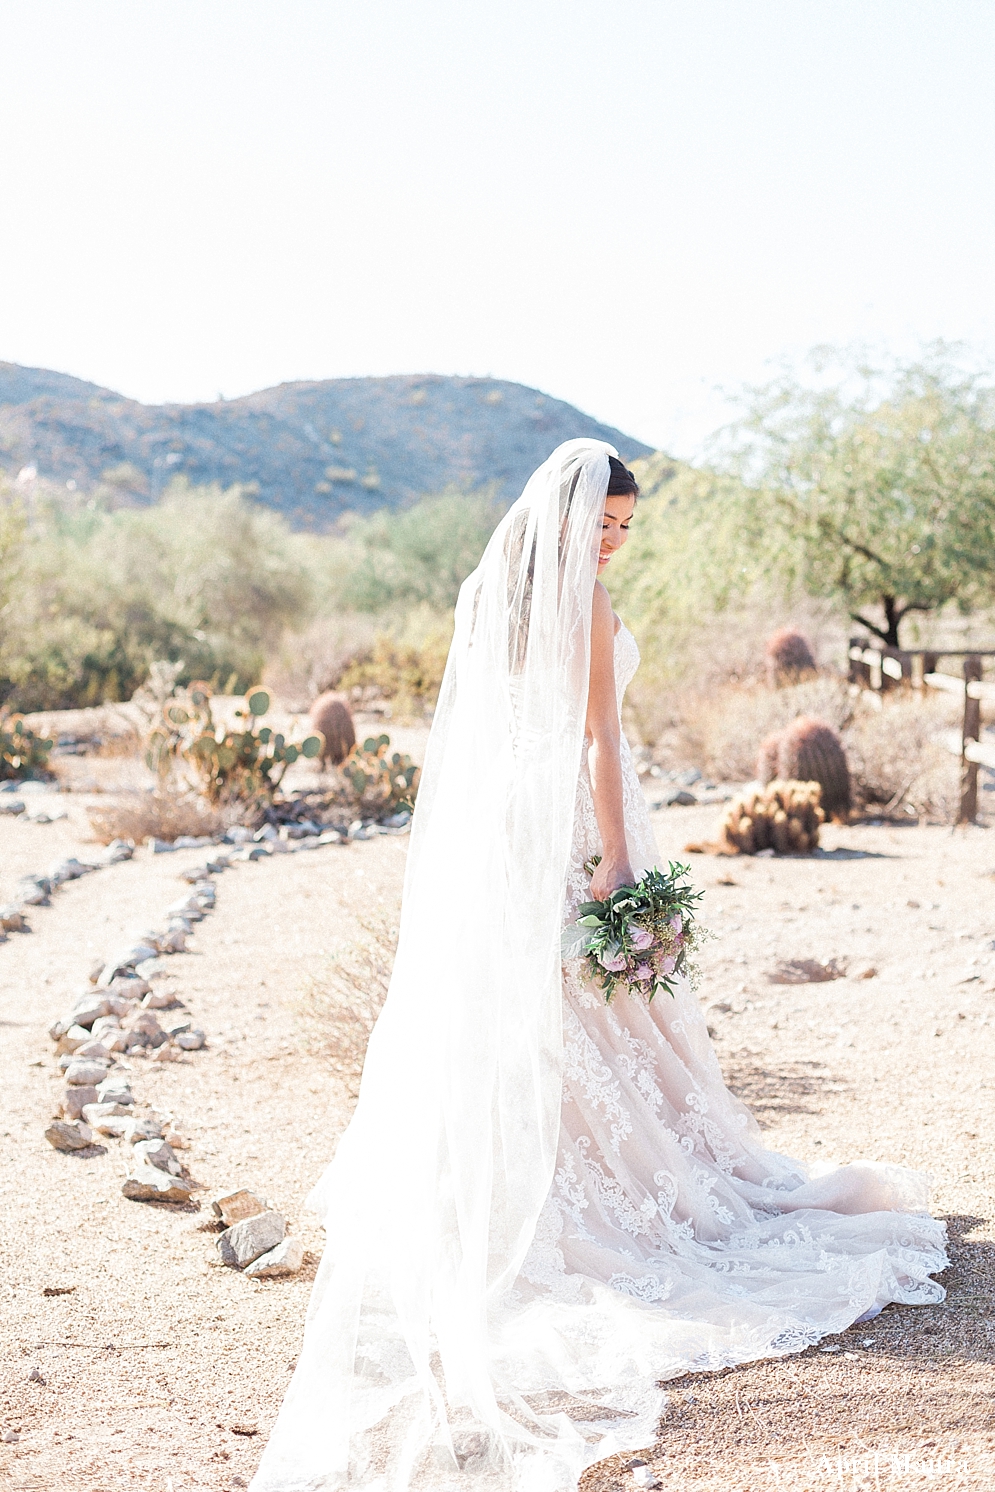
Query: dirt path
[{"x": 163, "y": 1370}]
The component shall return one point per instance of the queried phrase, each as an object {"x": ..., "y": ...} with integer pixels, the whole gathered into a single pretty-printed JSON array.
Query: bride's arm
[{"x": 603, "y": 752}]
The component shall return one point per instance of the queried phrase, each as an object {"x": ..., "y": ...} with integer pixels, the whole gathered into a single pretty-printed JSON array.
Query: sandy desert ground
[{"x": 132, "y": 1359}]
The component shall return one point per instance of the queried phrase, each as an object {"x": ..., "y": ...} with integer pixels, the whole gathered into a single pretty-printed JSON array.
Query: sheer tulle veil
[{"x": 423, "y": 1366}]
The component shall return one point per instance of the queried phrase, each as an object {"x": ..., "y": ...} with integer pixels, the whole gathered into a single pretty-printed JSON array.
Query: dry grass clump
[
  {"x": 154, "y": 815},
  {"x": 896, "y": 760},
  {"x": 721, "y": 731},
  {"x": 783, "y": 816},
  {"x": 338, "y": 1007}
]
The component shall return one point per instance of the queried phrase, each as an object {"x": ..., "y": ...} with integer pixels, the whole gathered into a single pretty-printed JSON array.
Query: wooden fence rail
[{"x": 883, "y": 668}]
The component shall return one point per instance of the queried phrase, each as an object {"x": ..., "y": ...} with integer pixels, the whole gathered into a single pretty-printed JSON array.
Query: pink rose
[
  {"x": 677, "y": 922},
  {"x": 642, "y": 971},
  {"x": 613, "y": 965},
  {"x": 640, "y": 937},
  {"x": 668, "y": 964}
]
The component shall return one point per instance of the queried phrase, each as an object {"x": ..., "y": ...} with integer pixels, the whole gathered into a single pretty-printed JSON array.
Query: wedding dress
[{"x": 546, "y": 1206}]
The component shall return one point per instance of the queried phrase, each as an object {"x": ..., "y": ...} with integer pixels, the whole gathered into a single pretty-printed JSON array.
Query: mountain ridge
[{"x": 311, "y": 449}]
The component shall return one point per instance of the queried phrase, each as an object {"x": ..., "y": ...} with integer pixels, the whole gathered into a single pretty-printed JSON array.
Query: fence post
[{"x": 972, "y": 732}]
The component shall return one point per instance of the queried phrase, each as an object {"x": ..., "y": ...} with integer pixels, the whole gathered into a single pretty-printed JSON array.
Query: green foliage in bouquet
[
  {"x": 379, "y": 782},
  {"x": 640, "y": 937},
  {"x": 21, "y": 751},
  {"x": 243, "y": 765}
]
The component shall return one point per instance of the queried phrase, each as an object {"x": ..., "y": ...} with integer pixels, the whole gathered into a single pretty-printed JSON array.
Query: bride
[{"x": 545, "y": 1206}]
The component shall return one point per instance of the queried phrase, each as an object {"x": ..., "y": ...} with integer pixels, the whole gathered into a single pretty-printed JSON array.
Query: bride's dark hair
[{"x": 621, "y": 482}]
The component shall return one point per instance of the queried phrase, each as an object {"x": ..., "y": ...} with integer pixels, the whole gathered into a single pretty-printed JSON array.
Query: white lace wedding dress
[
  {"x": 545, "y": 1206},
  {"x": 665, "y": 1192}
]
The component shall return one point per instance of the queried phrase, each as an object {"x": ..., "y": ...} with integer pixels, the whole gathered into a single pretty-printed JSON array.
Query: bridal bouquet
[{"x": 640, "y": 937}]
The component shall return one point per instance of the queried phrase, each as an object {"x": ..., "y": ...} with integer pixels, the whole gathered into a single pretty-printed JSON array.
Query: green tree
[{"x": 882, "y": 498}]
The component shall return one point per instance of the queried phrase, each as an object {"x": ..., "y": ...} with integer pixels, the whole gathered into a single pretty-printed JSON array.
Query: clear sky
[{"x": 624, "y": 202}]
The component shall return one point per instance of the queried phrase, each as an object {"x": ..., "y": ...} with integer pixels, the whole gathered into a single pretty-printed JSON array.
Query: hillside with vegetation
[{"x": 309, "y": 450}]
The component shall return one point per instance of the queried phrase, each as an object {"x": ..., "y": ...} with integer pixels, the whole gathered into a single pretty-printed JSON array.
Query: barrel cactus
[
  {"x": 789, "y": 657},
  {"x": 783, "y": 816},
  {"x": 809, "y": 750},
  {"x": 331, "y": 717}
]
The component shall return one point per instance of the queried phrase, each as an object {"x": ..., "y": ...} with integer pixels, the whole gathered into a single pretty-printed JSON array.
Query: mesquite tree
[{"x": 883, "y": 498}]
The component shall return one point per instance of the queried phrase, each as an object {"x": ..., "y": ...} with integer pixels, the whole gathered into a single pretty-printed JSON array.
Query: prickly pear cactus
[
  {"x": 809, "y": 750},
  {"x": 21, "y": 751},
  {"x": 377, "y": 781}
]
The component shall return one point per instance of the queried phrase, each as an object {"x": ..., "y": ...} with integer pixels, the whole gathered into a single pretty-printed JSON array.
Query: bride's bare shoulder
[{"x": 603, "y": 613}]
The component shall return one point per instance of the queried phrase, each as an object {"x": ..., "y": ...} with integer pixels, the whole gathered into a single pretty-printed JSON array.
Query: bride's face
[{"x": 615, "y": 527}]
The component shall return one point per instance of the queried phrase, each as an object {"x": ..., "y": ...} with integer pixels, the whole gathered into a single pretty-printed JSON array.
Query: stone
[
  {"x": 118, "y": 850},
  {"x": 68, "y": 870},
  {"x": 90, "y": 1009},
  {"x": 192, "y": 841},
  {"x": 161, "y": 999},
  {"x": 146, "y": 1030},
  {"x": 85, "y": 1072},
  {"x": 187, "y": 907},
  {"x": 179, "y": 924},
  {"x": 190, "y": 1041},
  {"x": 286, "y": 1258},
  {"x": 94, "y": 1049},
  {"x": 115, "y": 1090},
  {"x": 128, "y": 988},
  {"x": 12, "y": 919},
  {"x": 125, "y": 962},
  {"x": 806, "y": 971},
  {"x": 158, "y": 1153},
  {"x": 173, "y": 942},
  {"x": 137, "y": 1130},
  {"x": 75, "y": 1100},
  {"x": 248, "y": 1240},
  {"x": 108, "y": 1118},
  {"x": 11, "y": 805},
  {"x": 159, "y": 846},
  {"x": 865, "y": 971},
  {"x": 116, "y": 1040},
  {"x": 34, "y": 891},
  {"x": 71, "y": 1135},
  {"x": 153, "y": 968},
  {"x": 235, "y": 1207},
  {"x": 148, "y": 1184},
  {"x": 71, "y": 1040}
]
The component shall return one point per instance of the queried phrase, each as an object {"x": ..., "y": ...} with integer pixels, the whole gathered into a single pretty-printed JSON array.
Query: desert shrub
[
  {"x": 896, "y": 759},
  {"x": 205, "y": 578},
  {"x": 721, "y": 732},
  {"x": 158, "y": 815},
  {"x": 22, "y": 752},
  {"x": 304, "y": 664},
  {"x": 243, "y": 765},
  {"x": 338, "y": 1006}
]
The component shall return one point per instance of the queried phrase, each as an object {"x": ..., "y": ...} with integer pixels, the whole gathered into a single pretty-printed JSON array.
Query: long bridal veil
[{"x": 422, "y": 1366}]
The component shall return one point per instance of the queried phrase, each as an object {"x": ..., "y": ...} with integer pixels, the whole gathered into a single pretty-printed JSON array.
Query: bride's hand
[{"x": 608, "y": 876}]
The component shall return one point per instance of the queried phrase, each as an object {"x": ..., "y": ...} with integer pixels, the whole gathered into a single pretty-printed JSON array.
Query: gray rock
[
  {"x": 186, "y": 907},
  {"x": 90, "y": 1009},
  {"x": 286, "y": 1258},
  {"x": 158, "y": 1153},
  {"x": 173, "y": 942},
  {"x": 72, "y": 1039},
  {"x": 12, "y": 919},
  {"x": 146, "y": 1030},
  {"x": 190, "y": 1041},
  {"x": 235, "y": 1207},
  {"x": 125, "y": 962},
  {"x": 68, "y": 870},
  {"x": 85, "y": 1072},
  {"x": 248, "y": 1240},
  {"x": 148, "y": 1184},
  {"x": 118, "y": 850},
  {"x": 136, "y": 1130},
  {"x": 116, "y": 1040},
  {"x": 161, "y": 999},
  {"x": 152, "y": 968},
  {"x": 73, "y": 1135},
  {"x": 103, "y": 1025},
  {"x": 192, "y": 842},
  {"x": 11, "y": 805},
  {"x": 108, "y": 1118},
  {"x": 128, "y": 988},
  {"x": 75, "y": 1100},
  {"x": 94, "y": 1049},
  {"x": 115, "y": 1090}
]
